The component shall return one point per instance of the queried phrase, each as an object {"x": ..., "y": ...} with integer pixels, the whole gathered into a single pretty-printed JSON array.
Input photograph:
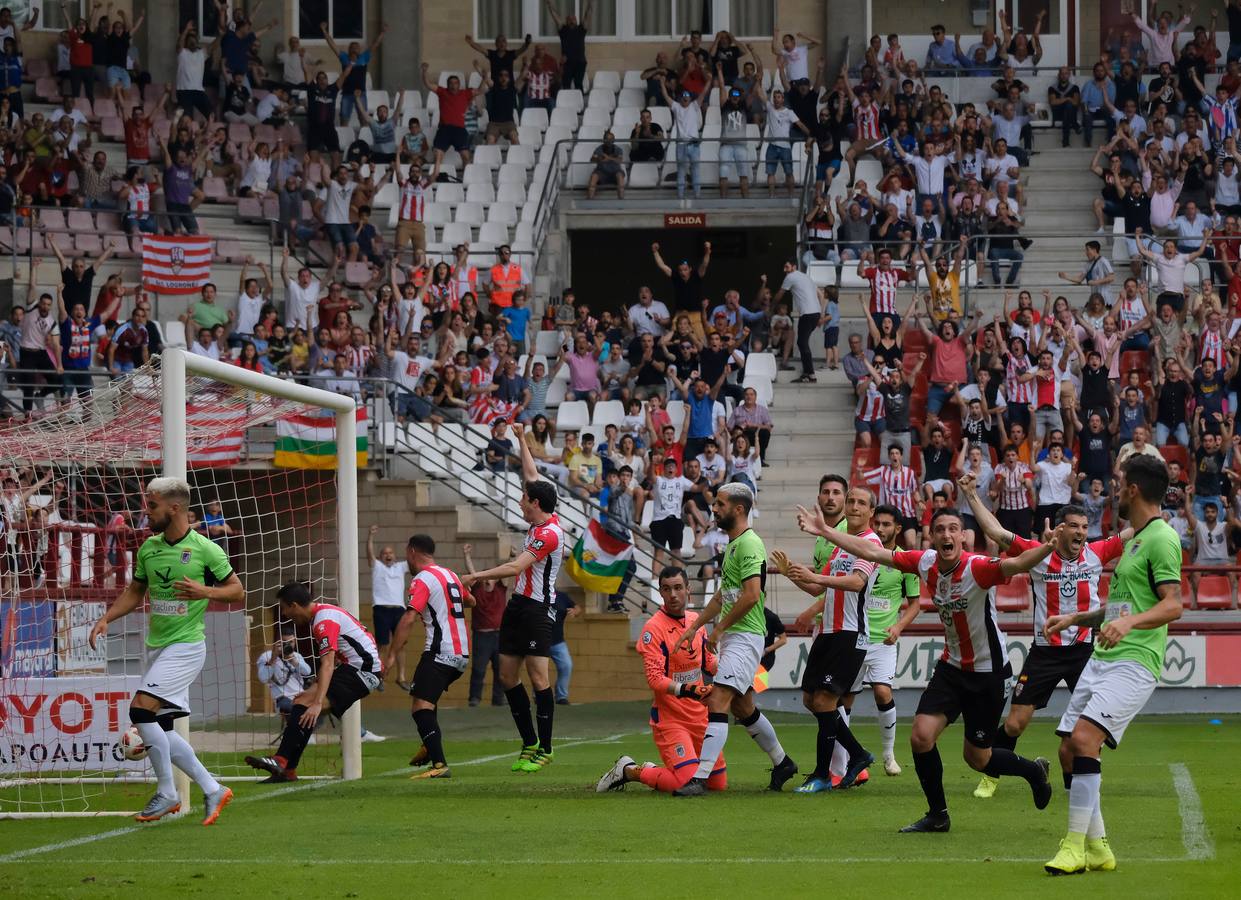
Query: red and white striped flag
[{"x": 176, "y": 264}]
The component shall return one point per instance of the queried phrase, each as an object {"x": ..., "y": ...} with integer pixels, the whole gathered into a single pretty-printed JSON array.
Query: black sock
[
  {"x": 1003, "y": 740},
  {"x": 544, "y": 710},
  {"x": 930, "y": 769},
  {"x": 829, "y": 725},
  {"x": 846, "y": 739},
  {"x": 519, "y": 706},
  {"x": 1068, "y": 780},
  {"x": 1006, "y": 762},
  {"x": 294, "y": 739},
  {"x": 429, "y": 731}
]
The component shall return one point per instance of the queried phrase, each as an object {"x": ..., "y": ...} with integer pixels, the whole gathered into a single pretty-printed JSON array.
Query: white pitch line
[
  {"x": 589, "y": 861},
  {"x": 18, "y": 855},
  {"x": 1194, "y": 833}
]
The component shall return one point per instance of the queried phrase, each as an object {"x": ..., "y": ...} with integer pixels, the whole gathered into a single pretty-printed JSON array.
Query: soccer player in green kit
[
  {"x": 831, "y": 499},
  {"x": 891, "y": 605},
  {"x": 1144, "y": 596},
  {"x": 182, "y": 570},
  {"x": 739, "y": 636}
]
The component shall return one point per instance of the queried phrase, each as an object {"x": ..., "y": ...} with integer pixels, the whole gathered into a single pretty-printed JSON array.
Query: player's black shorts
[
  {"x": 669, "y": 532},
  {"x": 1017, "y": 521},
  {"x": 386, "y": 619},
  {"x": 976, "y": 697},
  {"x": 1045, "y": 668},
  {"x": 526, "y": 628},
  {"x": 833, "y": 663},
  {"x": 432, "y": 678},
  {"x": 347, "y": 687}
]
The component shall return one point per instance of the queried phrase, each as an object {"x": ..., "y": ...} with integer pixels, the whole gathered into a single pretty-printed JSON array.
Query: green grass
[{"x": 488, "y": 832}]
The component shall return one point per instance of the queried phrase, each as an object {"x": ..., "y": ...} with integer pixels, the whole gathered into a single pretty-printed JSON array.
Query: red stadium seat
[
  {"x": 1214, "y": 592},
  {"x": 1176, "y": 453},
  {"x": 1134, "y": 359},
  {"x": 917, "y": 409},
  {"x": 866, "y": 457},
  {"x": 1014, "y": 596}
]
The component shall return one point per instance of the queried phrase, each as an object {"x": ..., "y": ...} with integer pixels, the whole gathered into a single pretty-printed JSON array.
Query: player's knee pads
[{"x": 140, "y": 716}]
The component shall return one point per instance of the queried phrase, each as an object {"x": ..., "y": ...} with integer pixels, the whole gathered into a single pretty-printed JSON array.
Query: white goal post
[
  {"x": 70, "y": 550},
  {"x": 176, "y": 366}
]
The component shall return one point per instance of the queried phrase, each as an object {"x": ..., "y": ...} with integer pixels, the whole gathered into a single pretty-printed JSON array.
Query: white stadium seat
[
  {"x": 480, "y": 193},
  {"x": 470, "y": 213},
  {"x": 447, "y": 192},
  {"x": 606, "y": 80},
  {"x": 520, "y": 154},
  {"x": 564, "y": 117},
  {"x": 494, "y": 233},
  {"x": 511, "y": 192},
  {"x": 534, "y": 116},
  {"x": 570, "y": 98},
  {"x": 512, "y": 173},
  {"x": 488, "y": 155},
  {"x": 572, "y": 415}
]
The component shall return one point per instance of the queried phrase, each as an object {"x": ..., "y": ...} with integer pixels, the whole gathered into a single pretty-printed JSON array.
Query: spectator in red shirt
[
  {"x": 490, "y": 598},
  {"x": 137, "y": 135},
  {"x": 451, "y": 133},
  {"x": 950, "y": 348},
  {"x": 82, "y": 60}
]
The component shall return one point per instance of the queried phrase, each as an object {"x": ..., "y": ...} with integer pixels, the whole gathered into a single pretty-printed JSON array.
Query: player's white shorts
[
  {"x": 170, "y": 672},
  {"x": 739, "y": 656},
  {"x": 1109, "y": 693},
  {"x": 879, "y": 667}
]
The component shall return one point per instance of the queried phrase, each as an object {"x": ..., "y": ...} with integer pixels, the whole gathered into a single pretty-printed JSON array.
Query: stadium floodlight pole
[{"x": 175, "y": 365}]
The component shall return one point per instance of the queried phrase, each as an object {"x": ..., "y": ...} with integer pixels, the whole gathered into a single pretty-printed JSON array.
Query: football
[{"x": 132, "y": 746}]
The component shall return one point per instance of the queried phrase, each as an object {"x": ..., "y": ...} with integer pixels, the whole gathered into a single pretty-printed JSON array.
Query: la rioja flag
[{"x": 175, "y": 264}]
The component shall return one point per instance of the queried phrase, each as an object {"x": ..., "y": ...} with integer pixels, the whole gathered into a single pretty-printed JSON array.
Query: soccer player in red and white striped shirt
[
  {"x": 1067, "y": 581},
  {"x": 349, "y": 669},
  {"x": 1012, "y": 489},
  {"x": 884, "y": 281},
  {"x": 970, "y": 677},
  {"x": 839, "y": 648},
  {"x": 437, "y": 596},
  {"x": 526, "y": 629},
  {"x": 898, "y": 487}
]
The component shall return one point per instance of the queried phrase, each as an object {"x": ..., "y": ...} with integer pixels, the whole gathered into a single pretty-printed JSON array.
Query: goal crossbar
[{"x": 176, "y": 366}]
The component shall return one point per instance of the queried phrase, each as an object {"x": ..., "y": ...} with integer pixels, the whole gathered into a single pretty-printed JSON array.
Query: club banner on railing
[
  {"x": 175, "y": 264},
  {"x": 599, "y": 560},
  {"x": 308, "y": 440}
]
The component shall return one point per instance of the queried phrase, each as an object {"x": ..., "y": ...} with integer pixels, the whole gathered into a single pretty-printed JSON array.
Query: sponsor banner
[
  {"x": 1191, "y": 661},
  {"x": 27, "y": 639},
  {"x": 65, "y": 724},
  {"x": 74, "y": 656}
]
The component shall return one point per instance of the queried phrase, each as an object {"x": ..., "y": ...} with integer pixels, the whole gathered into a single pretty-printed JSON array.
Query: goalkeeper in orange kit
[{"x": 678, "y": 716}]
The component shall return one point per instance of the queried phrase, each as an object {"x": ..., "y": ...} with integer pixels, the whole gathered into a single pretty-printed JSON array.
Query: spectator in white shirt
[
  {"x": 301, "y": 308},
  {"x": 808, "y": 309},
  {"x": 1012, "y": 129},
  {"x": 1227, "y": 200},
  {"x": 387, "y": 597},
  {"x": 283, "y": 670},
  {"x": 205, "y": 346},
  {"x": 1002, "y": 168},
  {"x": 251, "y": 300},
  {"x": 687, "y": 116},
  {"x": 191, "y": 62},
  {"x": 794, "y": 57},
  {"x": 780, "y": 123},
  {"x": 648, "y": 315},
  {"x": 928, "y": 174},
  {"x": 1098, "y": 275},
  {"x": 1054, "y": 482},
  {"x": 336, "y": 213}
]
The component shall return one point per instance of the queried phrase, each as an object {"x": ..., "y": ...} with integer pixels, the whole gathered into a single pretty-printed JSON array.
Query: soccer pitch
[{"x": 1171, "y": 799}]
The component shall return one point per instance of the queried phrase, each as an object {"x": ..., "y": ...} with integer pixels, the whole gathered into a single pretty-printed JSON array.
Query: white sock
[
  {"x": 887, "y": 730},
  {"x": 1096, "y": 829},
  {"x": 712, "y": 746},
  {"x": 840, "y": 759},
  {"x": 183, "y": 758},
  {"x": 765, "y": 736},
  {"x": 1083, "y": 801},
  {"x": 159, "y": 753}
]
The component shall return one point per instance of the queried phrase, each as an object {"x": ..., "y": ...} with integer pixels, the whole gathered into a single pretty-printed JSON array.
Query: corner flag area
[{"x": 1172, "y": 820}]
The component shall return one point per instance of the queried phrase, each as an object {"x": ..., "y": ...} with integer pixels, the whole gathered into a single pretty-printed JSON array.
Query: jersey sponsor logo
[
  {"x": 164, "y": 575},
  {"x": 169, "y": 607},
  {"x": 324, "y": 645},
  {"x": 536, "y": 544}
]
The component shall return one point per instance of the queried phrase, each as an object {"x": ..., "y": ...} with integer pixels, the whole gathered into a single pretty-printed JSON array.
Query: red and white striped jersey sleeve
[
  {"x": 546, "y": 544},
  {"x": 335, "y": 630},
  {"x": 437, "y": 595}
]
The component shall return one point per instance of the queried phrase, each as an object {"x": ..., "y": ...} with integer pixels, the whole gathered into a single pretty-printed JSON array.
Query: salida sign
[{"x": 50, "y": 724}]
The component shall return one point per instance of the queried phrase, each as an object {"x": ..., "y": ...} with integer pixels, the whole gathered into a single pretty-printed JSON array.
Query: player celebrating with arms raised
[
  {"x": 348, "y": 670},
  {"x": 1067, "y": 579},
  {"x": 740, "y": 636},
  {"x": 969, "y": 678},
  {"x": 182, "y": 571},
  {"x": 839, "y": 620},
  {"x": 437, "y": 596},
  {"x": 1144, "y": 596},
  {"x": 528, "y": 623},
  {"x": 678, "y": 716}
]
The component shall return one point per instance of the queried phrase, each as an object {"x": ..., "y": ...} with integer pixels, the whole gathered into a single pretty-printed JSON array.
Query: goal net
[{"x": 73, "y": 518}]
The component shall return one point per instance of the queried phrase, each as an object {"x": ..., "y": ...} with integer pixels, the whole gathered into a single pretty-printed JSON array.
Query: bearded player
[
  {"x": 678, "y": 716},
  {"x": 970, "y": 677},
  {"x": 1065, "y": 582}
]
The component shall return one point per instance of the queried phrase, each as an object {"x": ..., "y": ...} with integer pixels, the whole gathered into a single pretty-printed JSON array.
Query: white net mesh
[{"x": 73, "y": 519}]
